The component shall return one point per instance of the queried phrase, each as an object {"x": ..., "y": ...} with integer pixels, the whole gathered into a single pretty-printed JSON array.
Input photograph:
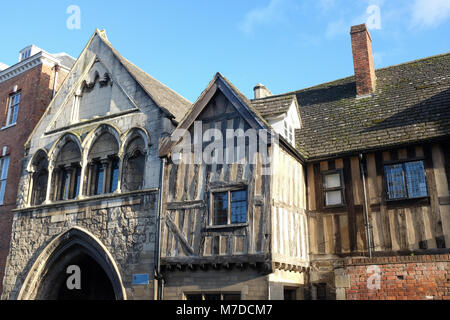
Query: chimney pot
[
  {"x": 363, "y": 60},
  {"x": 261, "y": 91}
]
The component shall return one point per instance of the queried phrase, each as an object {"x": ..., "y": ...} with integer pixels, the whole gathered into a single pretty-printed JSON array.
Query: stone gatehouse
[{"x": 88, "y": 191}]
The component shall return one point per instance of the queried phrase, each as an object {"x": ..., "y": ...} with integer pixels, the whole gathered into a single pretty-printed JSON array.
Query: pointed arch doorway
[{"x": 96, "y": 272}]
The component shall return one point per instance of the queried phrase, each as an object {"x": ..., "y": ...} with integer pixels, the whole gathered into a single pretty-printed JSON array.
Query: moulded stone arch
[
  {"x": 34, "y": 159},
  {"x": 133, "y": 133},
  {"x": 37, "y": 168},
  {"x": 92, "y": 137},
  {"x": 134, "y": 153},
  {"x": 60, "y": 143},
  {"x": 60, "y": 247}
]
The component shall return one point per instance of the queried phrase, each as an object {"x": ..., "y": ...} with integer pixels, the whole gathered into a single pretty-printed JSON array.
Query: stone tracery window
[
  {"x": 134, "y": 165},
  {"x": 40, "y": 179},
  {"x": 103, "y": 167},
  {"x": 67, "y": 172}
]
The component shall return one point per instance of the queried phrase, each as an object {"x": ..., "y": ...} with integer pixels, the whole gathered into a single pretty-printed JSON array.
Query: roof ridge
[{"x": 293, "y": 92}]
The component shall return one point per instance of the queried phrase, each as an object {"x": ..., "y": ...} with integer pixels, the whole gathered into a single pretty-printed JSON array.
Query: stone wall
[
  {"x": 251, "y": 284},
  {"x": 124, "y": 225}
]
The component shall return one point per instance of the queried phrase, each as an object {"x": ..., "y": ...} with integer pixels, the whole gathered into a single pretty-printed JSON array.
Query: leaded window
[
  {"x": 406, "y": 180},
  {"x": 229, "y": 207}
]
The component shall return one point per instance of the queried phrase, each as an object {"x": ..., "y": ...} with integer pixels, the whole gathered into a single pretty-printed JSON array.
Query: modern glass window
[
  {"x": 13, "y": 109},
  {"x": 406, "y": 180},
  {"x": 4, "y": 165},
  {"x": 333, "y": 188},
  {"x": 229, "y": 207}
]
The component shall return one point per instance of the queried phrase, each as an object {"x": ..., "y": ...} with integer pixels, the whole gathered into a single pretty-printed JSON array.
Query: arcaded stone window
[
  {"x": 134, "y": 165},
  {"x": 67, "y": 172},
  {"x": 103, "y": 167},
  {"x": 40, "y": 180}
]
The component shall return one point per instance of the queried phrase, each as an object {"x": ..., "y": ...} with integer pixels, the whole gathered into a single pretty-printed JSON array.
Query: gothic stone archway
[{"x": 100, "y": 279}]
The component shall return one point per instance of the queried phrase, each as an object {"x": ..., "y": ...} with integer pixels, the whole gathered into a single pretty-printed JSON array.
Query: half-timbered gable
[{"x": 232, "y": 213}]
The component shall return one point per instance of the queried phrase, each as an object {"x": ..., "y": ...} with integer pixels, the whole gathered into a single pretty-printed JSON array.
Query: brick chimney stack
[{"x": 363, "y": 60}]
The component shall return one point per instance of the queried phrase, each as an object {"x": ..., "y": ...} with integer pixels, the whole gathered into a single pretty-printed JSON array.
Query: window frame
[
  {"x": 17, "y": 107},
  {"x": 3, "y": 180},
  {"x": 341, "y": 188},
  {"x": 229, "y": 191},
  {"x": 405, "y": 179}
]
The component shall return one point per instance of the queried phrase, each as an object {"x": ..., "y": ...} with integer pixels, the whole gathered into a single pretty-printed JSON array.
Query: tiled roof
[
  {"x": 411, "y": 103},
  {"x": 273, "y": 106}
]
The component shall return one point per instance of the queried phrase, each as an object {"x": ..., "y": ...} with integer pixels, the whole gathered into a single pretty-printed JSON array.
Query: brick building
[{"x": 26, "y": 88}]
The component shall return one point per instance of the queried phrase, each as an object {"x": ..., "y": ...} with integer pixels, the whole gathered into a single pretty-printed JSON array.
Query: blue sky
[{"x": 284, "y": 44}]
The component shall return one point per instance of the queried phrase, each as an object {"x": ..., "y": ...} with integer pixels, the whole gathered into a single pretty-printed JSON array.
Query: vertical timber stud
[
  {"x": 159, "y": 285},
  {"x": 366, "y": 208}
]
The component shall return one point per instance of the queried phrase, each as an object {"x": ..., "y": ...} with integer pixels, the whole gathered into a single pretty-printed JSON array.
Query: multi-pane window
[
  {"x": 406, "y": 180},
  {"x": 4, "y": 164},
  {"x": 13, "y": 109},
  {"x": 213, "y": 296},
  {"x": 229, "y": 207},
  {"x": 333, "y": 188},
  {"x": 288, "y": 132}
]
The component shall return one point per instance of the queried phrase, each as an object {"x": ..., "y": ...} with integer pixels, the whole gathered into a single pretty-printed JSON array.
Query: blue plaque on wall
[{"x": 140, "y": 279}]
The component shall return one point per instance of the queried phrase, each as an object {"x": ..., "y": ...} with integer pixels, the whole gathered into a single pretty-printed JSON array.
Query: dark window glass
[
  {"x": 100, "y": 173},
  {"x": 212, "y": 297},
  {"x": 65, "y": 185},
  {"x": 114, "y": 175},
  {"x": 290, "y": 294},
  {"x": 239, "y": 206},
  {"x": 40, "y": 187},
  {"x": 194, "y": 297},
  {"x": 76, "y": 188},
  {"x": 220, "y": 208}
]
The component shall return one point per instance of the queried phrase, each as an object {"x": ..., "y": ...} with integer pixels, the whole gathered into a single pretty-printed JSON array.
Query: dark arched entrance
[
  {"x": 99, "y": 275},
  {"x": 93, "y": 280}
]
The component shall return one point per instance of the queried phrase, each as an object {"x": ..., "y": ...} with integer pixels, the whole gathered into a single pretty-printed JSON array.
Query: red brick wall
[
  {"x": 36, "y": 89},
  {"x": 401, "y": 278}
]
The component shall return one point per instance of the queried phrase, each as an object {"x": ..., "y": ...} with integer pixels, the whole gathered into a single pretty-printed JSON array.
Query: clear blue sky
[{"x": 285, "y": 44}]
